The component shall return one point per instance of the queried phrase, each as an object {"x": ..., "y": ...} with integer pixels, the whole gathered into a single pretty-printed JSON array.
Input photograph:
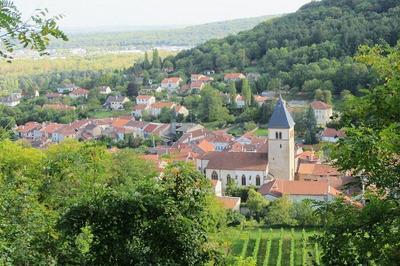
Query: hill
[
  {"x": 187, "y": 36},
  {"x": 305, "y": 50}
]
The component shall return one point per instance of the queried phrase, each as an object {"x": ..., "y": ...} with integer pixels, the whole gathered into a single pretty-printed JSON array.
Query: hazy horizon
[{"x": 152, "y": 14}]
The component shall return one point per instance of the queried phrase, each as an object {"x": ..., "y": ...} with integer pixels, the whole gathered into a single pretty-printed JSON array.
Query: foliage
[
  {"x": 211, "y": 107},
  {"x": 368, "y": 235},
  {"x": 315, "y": 44},
  {"x": 33, "y": 33},
  {"x": 76, "y": 203},
  {"x": 280, "y": 212},
  {"x": 257, "y": 204},
  {"x": 234, "y": 218}
]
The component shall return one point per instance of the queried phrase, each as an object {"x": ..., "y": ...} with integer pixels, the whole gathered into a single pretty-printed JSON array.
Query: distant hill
[
  {"x": 305, "y": 50},
  {"x": 187, "y": 36}
]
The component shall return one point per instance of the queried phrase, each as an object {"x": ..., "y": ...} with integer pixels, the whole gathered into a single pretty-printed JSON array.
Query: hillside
[
  {"x": 308, "y": 49},
  {"x": 187, "y": 36}
]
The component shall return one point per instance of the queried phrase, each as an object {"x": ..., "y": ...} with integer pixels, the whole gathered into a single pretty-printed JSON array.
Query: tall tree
[
  {"x": 211, "y": 106},
  {"x": 146, "y": 62},
  {"x": 156, "y": 63},
  {"x": 246, "y": 92}
]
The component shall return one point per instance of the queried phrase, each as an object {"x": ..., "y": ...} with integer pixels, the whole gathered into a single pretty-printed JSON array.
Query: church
[{"x": 250, "y": 168}]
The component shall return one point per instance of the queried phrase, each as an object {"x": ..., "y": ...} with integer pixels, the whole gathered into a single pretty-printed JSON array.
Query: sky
[{"x": 81, "y": 14}]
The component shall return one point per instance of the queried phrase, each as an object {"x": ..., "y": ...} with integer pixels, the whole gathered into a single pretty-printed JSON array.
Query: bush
[{"x": 234, "y": 218}]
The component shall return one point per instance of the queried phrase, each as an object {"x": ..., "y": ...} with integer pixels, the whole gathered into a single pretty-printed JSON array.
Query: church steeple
[
  {"x": 281, "y": 117},
  {"x": 281, "y": 142}
]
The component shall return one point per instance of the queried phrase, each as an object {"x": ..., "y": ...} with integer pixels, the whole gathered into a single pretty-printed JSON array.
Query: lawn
[
  {"x": 240, "y": 245},
  {"x": 261, "y": 132}
]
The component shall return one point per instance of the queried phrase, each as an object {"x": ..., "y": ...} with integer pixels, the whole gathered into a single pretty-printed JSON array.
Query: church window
[
  {"x": 280, "y": 145},
  {"x": 276, "y": 135},
  {"x": 258, "y": 180},
  {"x": 228, "y": 178},
  {"x": 243, "y": 180},
  {"x": 214, "y": 175},
  {"x": 280, "y": 135}
]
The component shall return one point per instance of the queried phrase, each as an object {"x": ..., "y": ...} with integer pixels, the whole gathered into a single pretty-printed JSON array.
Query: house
[
  {"x": 322, "y": 112},
  {"x": 230, "y": 203},
  {"x": 209, "y": 72},
  {"x": 116, "y": 102},
  {"x": 53, "y": 95},
  {"x": 197, "y": 85},
  {"x": 27, "y": 131},
  {"x": 229, "y": 77},
  {"x": 11, "y": 100},
  {"x": 243, "y": 168},
  {"x": 67, "y": 89},
  {"x": 139, "y": 109},
  {"x": 298, "y": 190},
  {"x": 155, "y": 108},
  {"x": 220, "y": 140},
  {"x": 105, "y": 90},
  {"x": 59, "y": 107},
  {"x": 200, "y": 77},
  {"x": 171, "y": 83},
  {"x": 315, "y": 172},
  {"x": 331, "y": 135},
  {"x": 260, "y": 100},
  {"x": 181, "y": 110},
  {"x": 69, "y": 131},
  {"x": 240, "y": 101},
  {"x": 46, "y": 132},
  {"x": 145, "y": 100},
  {"x": 79, "y": 93}
]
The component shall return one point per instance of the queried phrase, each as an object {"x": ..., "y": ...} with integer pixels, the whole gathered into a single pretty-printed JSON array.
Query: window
[
  {"x": 276, "y": 135},
  {"x": 280, "y": 135},
  {"x": 228, "y": 178},
  {"x": 243, "y": 180},
  {"x": 258, "y": 180},
  {"x": 280, "y": 145},
  {"x": 214, "y": 175}
]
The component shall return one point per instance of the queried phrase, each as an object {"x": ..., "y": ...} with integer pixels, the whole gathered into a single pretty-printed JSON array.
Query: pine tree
[
  {"x": 246, "y": 92},
  {"x": 146, "y": 62},
  {"x": 156, "y": 60}
]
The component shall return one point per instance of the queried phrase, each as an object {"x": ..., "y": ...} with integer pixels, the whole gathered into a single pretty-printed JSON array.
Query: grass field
[{"x": 270, "y": 246}]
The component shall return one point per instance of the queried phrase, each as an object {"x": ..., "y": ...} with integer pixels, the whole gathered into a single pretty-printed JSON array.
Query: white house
[
  {"x": 145, "y": 100},
  {"x": 66, "y": 89},
  {"x": 155, "y": 108},
  {"x": 331, "y": 135},
  {"x": 116, "y": 102},
  {"x": 171, "y": 83},
  {"x": 105, "y": 90},
  {"x": 322, "y": 112},
  {"x": 240, "y": 101},
  {"x": 229, "y": 77}
]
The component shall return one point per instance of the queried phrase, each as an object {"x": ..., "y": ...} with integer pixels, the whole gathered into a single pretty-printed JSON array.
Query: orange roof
[
  {"x": 51, "y": 127},
  {"x": 140, "y": 107},
  {"x": 320, "y": 105},
  {"x": 160, "y": 105},
  {"x": 28, "y": 127},
  {"x": 280, "y": 187},
  {"x": 205, "y": 146},
  {"x": 234, "y": 76},
  {"x": 317, "y": 169},
  {"x": 259, "y": 98},
  {"x": 80, "y": 91},
  {"x": 332, "y": 133},
  {"x": 120, "y": 122},
  {"x": 229, "y": 202},
  {"x": 247, "y": 161},
  {"x": 171, "y": 80},
  {"x": 144, "y": 97}
]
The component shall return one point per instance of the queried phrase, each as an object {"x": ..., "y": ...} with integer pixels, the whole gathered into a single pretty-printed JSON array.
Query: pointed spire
[{"x": 281, "y": 117}]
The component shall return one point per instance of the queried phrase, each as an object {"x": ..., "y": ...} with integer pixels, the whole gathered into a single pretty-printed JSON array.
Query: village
[{"x": 274, "y": 163}]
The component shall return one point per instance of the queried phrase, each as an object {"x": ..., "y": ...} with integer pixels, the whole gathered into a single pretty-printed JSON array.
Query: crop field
[{"x": 272, "y": 247}]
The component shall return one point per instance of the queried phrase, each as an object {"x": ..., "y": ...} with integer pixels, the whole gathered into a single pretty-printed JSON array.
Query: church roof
[{"x": 281, "y": 117}]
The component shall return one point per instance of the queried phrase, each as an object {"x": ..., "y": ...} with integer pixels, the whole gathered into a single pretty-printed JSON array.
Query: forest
[{"x": 309, "y": 49}]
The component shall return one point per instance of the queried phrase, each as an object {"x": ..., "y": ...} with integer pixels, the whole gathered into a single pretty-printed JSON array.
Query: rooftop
[
  {"x": 248, "y": 161},
  {"x": 320, "y": 105},
  {"x": 281, "y": 117}
]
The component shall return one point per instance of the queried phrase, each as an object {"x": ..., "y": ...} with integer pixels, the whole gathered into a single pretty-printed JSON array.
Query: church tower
[{"x": 281, "y": 143}]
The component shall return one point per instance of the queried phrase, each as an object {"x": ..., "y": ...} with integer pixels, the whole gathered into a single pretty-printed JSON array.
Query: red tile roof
[
  {"x": 29, "y": 127},
  {"x": 160, "y": 105},
  {"x": 50, "y": 128},
  {"x": 175, "y": 80},
  {"x": 80, "y": 91},
  {"x": 320, "y": 105},
  {"x": 233, "y": 76},
  {"x": 280, "y": 187},
  {"x": 317, "y": 169},
  {"x": 144, "y": 97},
  {"x": 229, "y": 202},
  {"x": 332, "y": 133},
  {"x": 249, "y": 161}
]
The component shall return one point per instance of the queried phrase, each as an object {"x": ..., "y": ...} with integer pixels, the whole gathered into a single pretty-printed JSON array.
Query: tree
[
  {"x": 370, "y": 150},
  {"x": 246, "y": 92},
  {"x": 146, "y": 62},
  {"x": 304, "y": 213},
  {"x": 132, "y": 90},
  {"x": 35, "y": 32},
  {"x": 232, "y": 93},
  {"x": 156, "y": 62},
  {"x": 257, "y": 204},
  {"x": 211, "y": 106},
  {"x": 280, "y": 212}
]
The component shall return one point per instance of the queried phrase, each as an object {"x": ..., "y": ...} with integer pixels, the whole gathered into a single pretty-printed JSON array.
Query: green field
[{"x": 270, "y": 246}]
